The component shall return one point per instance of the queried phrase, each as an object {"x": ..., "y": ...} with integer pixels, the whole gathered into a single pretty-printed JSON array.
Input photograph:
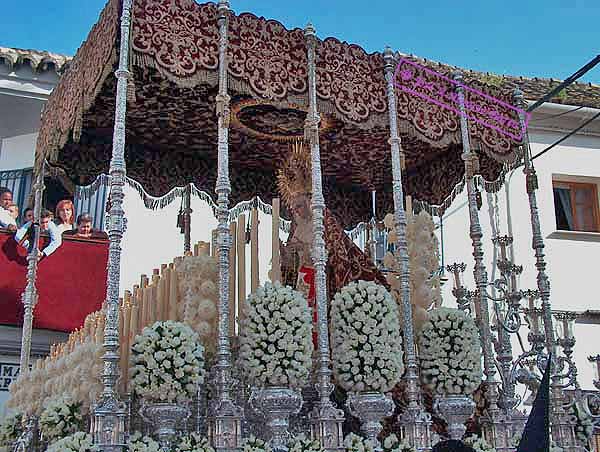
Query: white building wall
[
  {"x": 17, "y": 152},
  {"x": 572, "y": 257}
]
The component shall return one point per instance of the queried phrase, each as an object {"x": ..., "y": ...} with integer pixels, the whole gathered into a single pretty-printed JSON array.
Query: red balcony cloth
[{"x": 71, "y": 282}]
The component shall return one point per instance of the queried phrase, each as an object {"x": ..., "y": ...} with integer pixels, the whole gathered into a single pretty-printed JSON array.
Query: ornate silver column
[
  {"x": 29, "y": 296},
  {"x": 561, "y": 431},
  {"x": 225, "y": 416},
  {"x": 415, "y": 420},
  {"x": 479, "y": 271},
  {"x": 325, "y": 414},
  {"x": 109, "y": 412}
]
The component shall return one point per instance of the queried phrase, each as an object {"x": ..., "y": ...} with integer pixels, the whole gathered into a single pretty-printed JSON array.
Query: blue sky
[{"x": 549, "y": 38}]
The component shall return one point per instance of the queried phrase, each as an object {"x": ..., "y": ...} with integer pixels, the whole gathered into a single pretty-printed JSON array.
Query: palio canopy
[{"x": 171, "y": 119}]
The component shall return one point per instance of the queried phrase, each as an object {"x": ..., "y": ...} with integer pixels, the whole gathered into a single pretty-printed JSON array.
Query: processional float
[{"x": 201, "y": 95}]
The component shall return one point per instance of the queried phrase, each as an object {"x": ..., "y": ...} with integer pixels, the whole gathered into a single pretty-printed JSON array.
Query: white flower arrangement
[
  {"x": 479, "y": 444},
  {"x": 355, "y": 443},
  {"x": 167, "y": 363},
  {"x": 253, "y": 444},
  {"x": 450, "y": 352},
  {"x": 194, "y": 443},
  {"x": 301, "y": 443},
  {"x": 77, "y": 442},
  {"x": 141, "y": 443},
  {"x": 10, "y": 429},
  {"x": 61, "y": 417},
  {"x": 392, "y": 444},
  {"x": 365, "y": 335},
  {"x": 275, "y": 340}
]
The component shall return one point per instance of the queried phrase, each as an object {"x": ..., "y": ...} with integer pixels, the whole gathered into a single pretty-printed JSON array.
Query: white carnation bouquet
[
  {"x": 253, "y": 444},
  {"x": 392, "y": 444},
  {"x": 450, "y": 352},
  {"x": 365, "y": 338},
  {"x": 355, "y": 443},
  {"x": 479, "y": 444},
  {"x": 10, "y": 429},
  {"x": 301, "y": 443},
  {"x": 141, "y": 443},
  {"x": 77, "y": 442},
  {"x": 61, "y": 417},
  {"x": 194, "y": 443},
  {"x": 167, "y": 363},
  {"x": 275, "y": 341}
]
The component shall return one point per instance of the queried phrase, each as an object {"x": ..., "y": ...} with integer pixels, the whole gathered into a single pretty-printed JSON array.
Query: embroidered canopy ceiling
[{"x": 171, "y": 119}]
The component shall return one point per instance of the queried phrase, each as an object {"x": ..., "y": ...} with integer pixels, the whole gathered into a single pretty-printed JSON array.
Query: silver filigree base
[
  {"x": 326, "y": 425},
  {"x": 277, "y": 404},
  {"x": 371, "y": 408},
  {"x": 455, "y": 410},
  {"x": 166, "y": 418}
]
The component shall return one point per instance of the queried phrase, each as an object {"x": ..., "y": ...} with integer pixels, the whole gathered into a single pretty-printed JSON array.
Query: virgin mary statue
[{"x": 346, "y": 262}]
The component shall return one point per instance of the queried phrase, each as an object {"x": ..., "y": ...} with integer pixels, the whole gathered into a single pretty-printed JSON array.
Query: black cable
[
  {"x": 573, "y": 132},
  {"x": 565, "y": 83}
]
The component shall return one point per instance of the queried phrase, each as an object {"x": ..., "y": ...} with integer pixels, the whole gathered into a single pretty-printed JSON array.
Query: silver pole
[
  {"x": 324, "y": 409},
  {"x": 225, "y": 415},
  {"x": 109, "y": 403},
  {"x": 415, "y": 417},
  {"x": 479, "y": 272},
  {"x": 560, "y": 429},
  {"x": 223, "y": 189},
  {"x": 29, "y": 296}
]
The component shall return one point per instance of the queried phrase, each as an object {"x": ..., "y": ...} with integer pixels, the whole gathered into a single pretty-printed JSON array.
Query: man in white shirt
[
  {"x": 47, "y": 225},
  {"x": 6, "y": 219}
]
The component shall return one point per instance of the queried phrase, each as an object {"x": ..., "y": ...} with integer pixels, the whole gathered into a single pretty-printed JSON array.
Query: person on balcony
[
  {"x": 6, "y": 219},
  {"x": 65, "y": 215},
  {"x": 13, "y": 209},
  {"x": 27, "y": 215},
  {"x": 24, "y": 234},
  {"x": 85, "y": 229},
  {"x": 84, "y": 226}
]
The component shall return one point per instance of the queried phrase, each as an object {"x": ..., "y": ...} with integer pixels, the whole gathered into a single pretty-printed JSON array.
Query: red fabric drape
[{"x": 71, "y": 283}]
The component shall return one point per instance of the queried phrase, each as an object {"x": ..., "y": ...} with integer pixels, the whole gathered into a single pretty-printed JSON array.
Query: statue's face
[{"x": 300, "y": 205}]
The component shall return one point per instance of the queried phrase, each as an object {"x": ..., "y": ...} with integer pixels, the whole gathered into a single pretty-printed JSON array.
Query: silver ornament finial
[
  {"x": 388, "y": 55},
  {"x": 309, "y": 30}
]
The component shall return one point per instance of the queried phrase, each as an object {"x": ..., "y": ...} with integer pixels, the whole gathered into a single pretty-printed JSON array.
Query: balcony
[{"x": 71, "y": 282}]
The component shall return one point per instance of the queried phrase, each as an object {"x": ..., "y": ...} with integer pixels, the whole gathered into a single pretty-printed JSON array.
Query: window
[{"x": 576, "y": 206}]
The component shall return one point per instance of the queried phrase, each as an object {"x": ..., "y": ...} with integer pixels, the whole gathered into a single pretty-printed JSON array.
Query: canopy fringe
[{"x": 160, "y": 202}]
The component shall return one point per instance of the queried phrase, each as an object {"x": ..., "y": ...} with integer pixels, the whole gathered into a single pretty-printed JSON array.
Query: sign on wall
[{"x": 8, "y": 373}]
